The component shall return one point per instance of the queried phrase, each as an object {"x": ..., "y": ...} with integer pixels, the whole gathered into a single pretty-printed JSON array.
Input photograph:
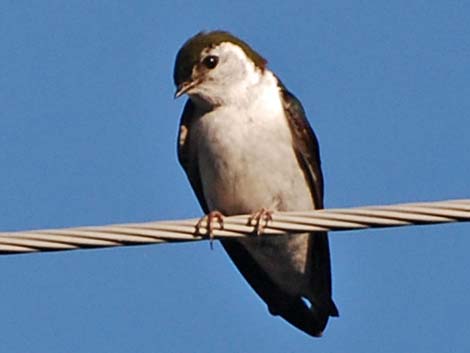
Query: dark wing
[
  {"x": 308, "y": 155},
  {"x": 305, "y": 145},
  {"x": 187, "y": 155}
]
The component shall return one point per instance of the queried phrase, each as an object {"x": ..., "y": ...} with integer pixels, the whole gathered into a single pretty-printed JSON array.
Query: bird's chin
[{"x": 203, "y": 101}]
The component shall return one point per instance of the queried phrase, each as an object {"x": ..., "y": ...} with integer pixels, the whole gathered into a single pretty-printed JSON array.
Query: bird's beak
[{"x": 184, "y": 87}]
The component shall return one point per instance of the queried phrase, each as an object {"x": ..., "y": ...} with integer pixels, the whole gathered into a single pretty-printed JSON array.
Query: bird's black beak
[{"x": 184, "y": 87}]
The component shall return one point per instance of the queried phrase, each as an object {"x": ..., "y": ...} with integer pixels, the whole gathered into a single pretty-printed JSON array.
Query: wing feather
[{"x": 308, "y": 155}]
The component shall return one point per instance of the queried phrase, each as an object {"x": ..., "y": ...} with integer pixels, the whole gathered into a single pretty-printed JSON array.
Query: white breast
[
  {"x": 246, "y": 159},
  {"x": 247, "y": 162}
]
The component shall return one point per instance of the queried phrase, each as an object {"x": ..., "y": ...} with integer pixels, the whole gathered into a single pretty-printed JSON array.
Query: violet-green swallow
[{"x": 246, "y": 145}]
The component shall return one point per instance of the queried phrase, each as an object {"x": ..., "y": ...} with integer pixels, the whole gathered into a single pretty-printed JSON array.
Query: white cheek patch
[{"x": 234, "y": 63}]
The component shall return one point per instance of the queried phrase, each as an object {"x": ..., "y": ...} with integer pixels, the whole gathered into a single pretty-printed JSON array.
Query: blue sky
[{"x": 87, "y": 136}]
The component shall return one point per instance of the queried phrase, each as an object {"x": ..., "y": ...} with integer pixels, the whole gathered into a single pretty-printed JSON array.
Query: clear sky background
[{"x": 87, "y": 137}]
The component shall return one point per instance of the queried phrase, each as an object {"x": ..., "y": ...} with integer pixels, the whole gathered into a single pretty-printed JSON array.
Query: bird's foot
[
  {"x": 260, "y": 219},
  {"x": 207, "y": 222}
]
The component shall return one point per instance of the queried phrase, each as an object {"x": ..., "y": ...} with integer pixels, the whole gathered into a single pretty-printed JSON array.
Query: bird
[{"x": 247, "y": 147}]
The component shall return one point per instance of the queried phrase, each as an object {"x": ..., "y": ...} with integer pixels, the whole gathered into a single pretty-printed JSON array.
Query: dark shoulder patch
[{"x": 190, "y": 52}]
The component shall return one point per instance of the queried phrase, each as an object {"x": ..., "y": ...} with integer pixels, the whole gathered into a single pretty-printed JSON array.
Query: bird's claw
[
  {"x": 207, "y": 222},
  {"x": 260, "y": 219}
]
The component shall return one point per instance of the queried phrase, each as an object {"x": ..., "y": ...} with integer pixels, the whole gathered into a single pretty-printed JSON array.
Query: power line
[{"x": 339, "y": 219}]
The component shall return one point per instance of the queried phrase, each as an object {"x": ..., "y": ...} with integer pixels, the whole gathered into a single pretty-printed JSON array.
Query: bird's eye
[{"x": 210, "y": 61}]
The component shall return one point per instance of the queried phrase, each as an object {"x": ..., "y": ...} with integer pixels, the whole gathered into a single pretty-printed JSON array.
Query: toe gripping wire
[{"x": 278, "y": 223}]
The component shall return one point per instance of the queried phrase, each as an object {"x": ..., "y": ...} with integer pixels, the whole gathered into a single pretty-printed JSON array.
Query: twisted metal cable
[{"x": 236, "y": 226}]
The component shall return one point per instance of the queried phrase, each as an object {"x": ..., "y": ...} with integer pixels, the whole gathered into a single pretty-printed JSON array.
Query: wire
[{"x": 340, "y": 219}]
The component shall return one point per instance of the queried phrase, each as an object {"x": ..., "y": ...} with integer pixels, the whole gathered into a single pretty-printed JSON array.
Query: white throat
[{"x": 259, "y": 93}]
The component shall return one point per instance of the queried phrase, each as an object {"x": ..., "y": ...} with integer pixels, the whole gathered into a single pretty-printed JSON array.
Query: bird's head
[{"x": 215, "y": 67}]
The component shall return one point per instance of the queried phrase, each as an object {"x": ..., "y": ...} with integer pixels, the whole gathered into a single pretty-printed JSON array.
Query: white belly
[{"x": 247, "y": 164}]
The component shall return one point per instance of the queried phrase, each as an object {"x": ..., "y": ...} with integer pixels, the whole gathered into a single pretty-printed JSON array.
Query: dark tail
[{"x": 311, "y": 320}]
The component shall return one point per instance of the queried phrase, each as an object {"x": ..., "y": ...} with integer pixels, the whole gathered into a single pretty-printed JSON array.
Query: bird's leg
[
  {"x": 260, "y": 220},
  {"x": 208, "y": 221}
]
